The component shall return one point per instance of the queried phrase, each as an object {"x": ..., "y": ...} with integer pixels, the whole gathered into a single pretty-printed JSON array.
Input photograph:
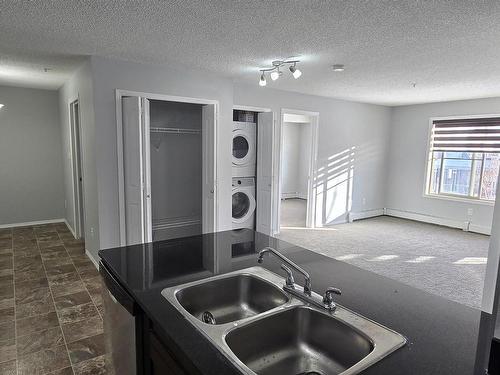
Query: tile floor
[{"x": 50, "y": 304}]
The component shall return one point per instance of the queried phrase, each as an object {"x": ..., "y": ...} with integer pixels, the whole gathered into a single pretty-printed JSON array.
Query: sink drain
[{"x": 208, "y": 318}]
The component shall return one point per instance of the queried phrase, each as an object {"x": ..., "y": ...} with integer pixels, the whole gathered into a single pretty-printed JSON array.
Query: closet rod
[{"x": 175, "y": 130}]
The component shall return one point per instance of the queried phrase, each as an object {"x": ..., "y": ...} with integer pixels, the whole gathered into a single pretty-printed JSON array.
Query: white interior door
[
  {"x": 136, "y": 172},
  {"x": 209, "y": 189},
  {"x": 266, "y": 180}
]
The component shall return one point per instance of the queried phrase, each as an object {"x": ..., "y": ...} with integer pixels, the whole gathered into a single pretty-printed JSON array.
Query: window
[{"x": 464, "y": 158}]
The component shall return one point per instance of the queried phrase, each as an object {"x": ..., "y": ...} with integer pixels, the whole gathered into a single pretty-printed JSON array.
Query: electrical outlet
[
  {"x": 65, "y": 203},
  {"x": 364, "y": 201},
  {"x": 92, "y": 232},
  {"x": 470, "y": 212}
]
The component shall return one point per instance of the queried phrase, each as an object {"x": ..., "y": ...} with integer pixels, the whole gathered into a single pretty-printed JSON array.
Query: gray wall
[
  {"x": 356, "y": 172},
  {"x": 80, "y": 86},
  {"x": 31, "y": 173},
  {"x": 408, "y": 158},
  {"x": 352, "y": 148},
  {"x": 109, "y": 75},
  {"x": 357, "y": 128}
]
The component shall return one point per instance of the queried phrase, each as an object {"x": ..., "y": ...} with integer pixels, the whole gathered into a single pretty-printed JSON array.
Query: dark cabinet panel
[
  {"x": 162, "y": 360},
  {"x": 494, "y": 367}
]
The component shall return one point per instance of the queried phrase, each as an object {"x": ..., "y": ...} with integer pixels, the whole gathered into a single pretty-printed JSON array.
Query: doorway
[
  {"x": 298, "y": 140},
  {"x": 76, "y": 152}
]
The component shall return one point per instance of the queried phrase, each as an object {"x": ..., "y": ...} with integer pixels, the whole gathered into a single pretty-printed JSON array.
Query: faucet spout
[
  {"x": 325, "y": 302},
  {"x": 307, "y": 277}
]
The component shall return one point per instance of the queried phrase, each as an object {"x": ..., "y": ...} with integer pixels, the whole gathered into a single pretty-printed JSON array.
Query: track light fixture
[{"x": 276, "y": 72}]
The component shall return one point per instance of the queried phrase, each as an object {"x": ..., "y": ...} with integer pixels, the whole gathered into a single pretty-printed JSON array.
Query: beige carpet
[{"x": 447, "y": 262}]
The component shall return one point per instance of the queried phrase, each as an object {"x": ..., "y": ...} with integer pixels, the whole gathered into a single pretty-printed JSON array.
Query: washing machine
[
  {"x": 244, "y": 149},
  {"x": 243, "y": 198}
]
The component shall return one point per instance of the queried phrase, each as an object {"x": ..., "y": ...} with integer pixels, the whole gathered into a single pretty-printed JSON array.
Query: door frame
[
  {"x": 77, "y": 158},
  {"x": 119, "y": 93},
  {"x": 250, "y": 108},
  {"x": 311, "y": 201}
]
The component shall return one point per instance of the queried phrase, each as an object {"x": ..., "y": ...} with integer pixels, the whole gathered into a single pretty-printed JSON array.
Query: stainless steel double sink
[{"x": 264, "y": 330}]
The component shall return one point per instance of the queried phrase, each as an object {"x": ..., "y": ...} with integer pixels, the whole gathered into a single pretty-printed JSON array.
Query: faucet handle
[
  {"x": 289, "y": 276},
  {"x": 328, "y": 297}
]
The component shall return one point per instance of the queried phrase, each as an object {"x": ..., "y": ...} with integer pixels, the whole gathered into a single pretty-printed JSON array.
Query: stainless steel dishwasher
[{"x": 120, "y": 326}]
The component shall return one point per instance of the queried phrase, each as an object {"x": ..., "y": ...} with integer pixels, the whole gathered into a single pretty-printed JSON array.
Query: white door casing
[
  {"x": 265, "y": 172},
  {"x": 209, "y": 188},
  {"x": 77, "y": 169}
]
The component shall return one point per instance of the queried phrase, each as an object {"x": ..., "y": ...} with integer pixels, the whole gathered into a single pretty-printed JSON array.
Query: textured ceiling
[{"x": 451, "y": 49}]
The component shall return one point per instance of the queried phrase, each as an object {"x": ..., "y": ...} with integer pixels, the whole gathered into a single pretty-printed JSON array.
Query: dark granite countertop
[{"x": 442, "y": 335}]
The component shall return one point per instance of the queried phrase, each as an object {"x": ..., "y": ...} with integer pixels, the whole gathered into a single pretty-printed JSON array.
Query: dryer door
[
  {"x": 243, "y": 205},
  {"x": 242, "y": 147}
]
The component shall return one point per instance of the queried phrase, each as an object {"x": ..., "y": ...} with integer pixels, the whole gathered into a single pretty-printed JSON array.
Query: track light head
[
  {"x": 275, "y": 74},
  {"x": 295, "y": 72},
  {"x": 262, "y": 81}
]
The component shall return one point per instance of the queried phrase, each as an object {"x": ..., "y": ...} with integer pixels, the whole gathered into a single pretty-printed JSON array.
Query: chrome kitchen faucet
[{"x": 326, "y": 302}]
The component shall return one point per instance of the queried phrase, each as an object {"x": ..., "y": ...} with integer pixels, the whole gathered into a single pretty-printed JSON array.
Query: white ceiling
[{"x": 451, "y": 49}]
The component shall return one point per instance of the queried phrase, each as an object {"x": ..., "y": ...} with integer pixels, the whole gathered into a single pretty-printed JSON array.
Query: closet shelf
[
  {"x": 176, "y": 222},
  {"x": 175, "y": 130}
]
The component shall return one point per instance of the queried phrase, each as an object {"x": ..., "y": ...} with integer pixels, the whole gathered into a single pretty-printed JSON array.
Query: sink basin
[
  {"x": 231, "y": 298},
  {"x": 263, "y": 330},
  {"x": 298, "y": 341}
]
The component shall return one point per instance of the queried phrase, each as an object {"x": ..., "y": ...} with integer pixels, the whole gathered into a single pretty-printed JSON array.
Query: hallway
[{"x": 50, "y": 304}]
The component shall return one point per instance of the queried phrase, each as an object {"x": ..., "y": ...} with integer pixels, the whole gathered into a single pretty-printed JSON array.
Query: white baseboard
[
  {"x": 91, "y": 257},
  {"x": 480, "y": 229},
  {"x": 70, "y": 228},
  {"x": 353, "y": 216},
  {"x": 293, "y": 195},
  {"x": 31, "y": 223},
  {"x": 464, "y": 225}
]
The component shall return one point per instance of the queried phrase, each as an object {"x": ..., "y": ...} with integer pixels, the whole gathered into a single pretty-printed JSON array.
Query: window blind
[{"x": 469, "y": 135}]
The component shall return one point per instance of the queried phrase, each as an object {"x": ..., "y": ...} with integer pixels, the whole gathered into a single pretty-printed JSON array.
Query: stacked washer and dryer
[{"x": 244, "y": 169}]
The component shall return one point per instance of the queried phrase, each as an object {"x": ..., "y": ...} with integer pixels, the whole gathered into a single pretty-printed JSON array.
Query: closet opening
[
  {"x": 176, "y": 169},
  {"x": 167, "y": 166}
]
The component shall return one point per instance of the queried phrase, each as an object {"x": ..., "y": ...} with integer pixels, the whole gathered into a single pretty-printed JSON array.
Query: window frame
[{"x": 429, "y": 164}]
